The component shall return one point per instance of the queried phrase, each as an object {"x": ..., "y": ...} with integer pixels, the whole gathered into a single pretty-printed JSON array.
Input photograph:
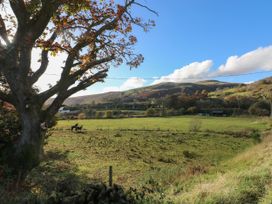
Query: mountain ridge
[{"x": 154, "y": 91}]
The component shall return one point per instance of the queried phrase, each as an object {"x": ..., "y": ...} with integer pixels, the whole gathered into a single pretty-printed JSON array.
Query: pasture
[
  {"x": 163, "y": 155},
  {"x": 171, "y": 123}
]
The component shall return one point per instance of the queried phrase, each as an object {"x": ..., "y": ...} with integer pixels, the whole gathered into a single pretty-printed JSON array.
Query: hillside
[
  {"x": 256, "y": 89},
  {"x": 150, "y": 92},
  {"x": 247, "y": 178}
]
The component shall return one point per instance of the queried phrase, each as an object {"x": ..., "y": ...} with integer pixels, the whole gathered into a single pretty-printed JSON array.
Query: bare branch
[
  {"x": 90, "y": 65},
  {"x": 63, "y": 94},
  {"x": 146, "y": 7},
  {"x": 66, "y": 82},
  {"x": 44, "y": 61},
  {"x": 98, "y": 77}
]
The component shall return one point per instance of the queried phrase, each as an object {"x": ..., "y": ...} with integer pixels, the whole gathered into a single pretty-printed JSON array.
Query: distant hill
[
  {"x": 151, "y": 92},
  {"x": 256, "y": 89}
]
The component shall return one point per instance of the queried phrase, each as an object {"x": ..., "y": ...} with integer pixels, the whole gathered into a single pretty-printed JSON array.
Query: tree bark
[
  {"x": 28, "y": 150},
  {"x": 270, "y": 108}
]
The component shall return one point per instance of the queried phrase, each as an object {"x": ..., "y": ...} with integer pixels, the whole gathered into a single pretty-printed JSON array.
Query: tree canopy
[{"x": 93, "y": 35}]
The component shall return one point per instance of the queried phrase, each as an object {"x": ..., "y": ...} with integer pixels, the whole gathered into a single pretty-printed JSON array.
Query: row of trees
[
  {"x": 201, "y": 103},
  {"x": 180, "y": 105}
]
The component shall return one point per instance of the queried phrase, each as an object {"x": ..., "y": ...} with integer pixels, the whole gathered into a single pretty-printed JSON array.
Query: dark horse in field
[{"x": 76, "y": 127}]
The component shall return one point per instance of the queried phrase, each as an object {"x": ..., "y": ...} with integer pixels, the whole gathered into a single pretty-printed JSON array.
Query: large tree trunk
[
  {"x": 29, "y": 147},
  {"x": 270, "y": 108}
]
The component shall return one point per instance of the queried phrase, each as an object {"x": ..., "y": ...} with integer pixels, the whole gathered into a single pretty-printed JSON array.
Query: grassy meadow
[
  {"x": 246, "y": 178},
  {"x": 172, "y": 160},
  {"x": 171, "y": 123}
]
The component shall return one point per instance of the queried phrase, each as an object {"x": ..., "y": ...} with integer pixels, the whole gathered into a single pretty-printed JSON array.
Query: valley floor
[{"x": 170, "y": 160}]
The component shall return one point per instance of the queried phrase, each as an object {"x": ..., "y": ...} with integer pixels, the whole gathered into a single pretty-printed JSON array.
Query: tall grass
[{"x": 247, "y": 178}]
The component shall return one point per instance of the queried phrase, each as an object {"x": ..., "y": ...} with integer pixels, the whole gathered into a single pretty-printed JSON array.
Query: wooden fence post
[{"x": 110, "y": 176}]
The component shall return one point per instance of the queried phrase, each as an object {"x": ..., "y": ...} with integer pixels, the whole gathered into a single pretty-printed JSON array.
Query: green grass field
[
  {"x": 171, "y": 123},
  {"x": 163, "y": 155}
]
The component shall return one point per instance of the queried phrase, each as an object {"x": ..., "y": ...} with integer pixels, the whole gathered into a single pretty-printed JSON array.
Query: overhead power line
[{"x": 171, "y": 78}]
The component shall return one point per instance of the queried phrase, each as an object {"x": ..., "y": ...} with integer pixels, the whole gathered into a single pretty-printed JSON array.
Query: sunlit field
[
  {"x": 164, "y": 155},
  {"x": 171, "y": 123}
]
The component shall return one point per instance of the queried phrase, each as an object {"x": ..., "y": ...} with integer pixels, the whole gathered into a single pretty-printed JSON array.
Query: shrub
[
  {"x": 116, "y": 113},
  {"x": 151, "y": 192},
  {"x": 90, "y": 113},
  {"x": 196, "y": 169},
  {"x": 181, "y": 111},
  {"x": 150, "y": 112},
  {"x": 10, "y": 128},
  {"x": 256, "y": 135},
  {"x": 195, "y": 125},
  {"x": 189, "y": 155},
  {"x": 192, "y": 110},
  {"x": 99, "y": 114},
  {"x": 171, "y": 112},
  {"x": 108, "y": 114},
  {"x": 81, "y": 116},
  {"x": 260, "y": 108}
]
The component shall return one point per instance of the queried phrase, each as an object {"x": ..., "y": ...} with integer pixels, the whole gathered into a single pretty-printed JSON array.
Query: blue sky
[
  {"x": 197, "y": 38},
  {"x": 190, "y": 31}
]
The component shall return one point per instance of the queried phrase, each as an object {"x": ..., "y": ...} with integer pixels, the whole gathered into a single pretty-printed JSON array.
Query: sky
[{"x": 194, "y": 40}]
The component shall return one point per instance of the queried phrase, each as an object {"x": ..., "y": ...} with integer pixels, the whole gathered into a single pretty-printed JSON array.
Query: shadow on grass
[
  {"x": 56, "y": 171},
  {"x": 56, "y": 181}
]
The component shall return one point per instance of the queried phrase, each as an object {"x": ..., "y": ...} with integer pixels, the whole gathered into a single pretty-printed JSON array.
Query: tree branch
[
  {"x": 83, "y": 43},
  {"x": 146, "y": 7},
  {"x": 98, "y": 77},
  {"x": 19, "y": 9},
  {"x": 3, "y": 31},
  {"x": 66, "y": 79},
  {"x": 90, "y": 65},
  {"x": 64, "y": 94},
  {"x": 44, "y": 61},
  {"x": 65, "y": 83},
  {"x": 41, "y": 20}
]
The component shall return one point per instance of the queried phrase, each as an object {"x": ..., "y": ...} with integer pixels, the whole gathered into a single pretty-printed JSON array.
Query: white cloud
[
  {"x": 249, "y": 82},
  {"x": 192, "y": 72},
  {"x": 256, "y": 60},
  {"x": 85, "y": 93},
  {"x": 259, "y": 59},
  {"x": 131, "y": 83},
  {"x": 111, "y": 89}
]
